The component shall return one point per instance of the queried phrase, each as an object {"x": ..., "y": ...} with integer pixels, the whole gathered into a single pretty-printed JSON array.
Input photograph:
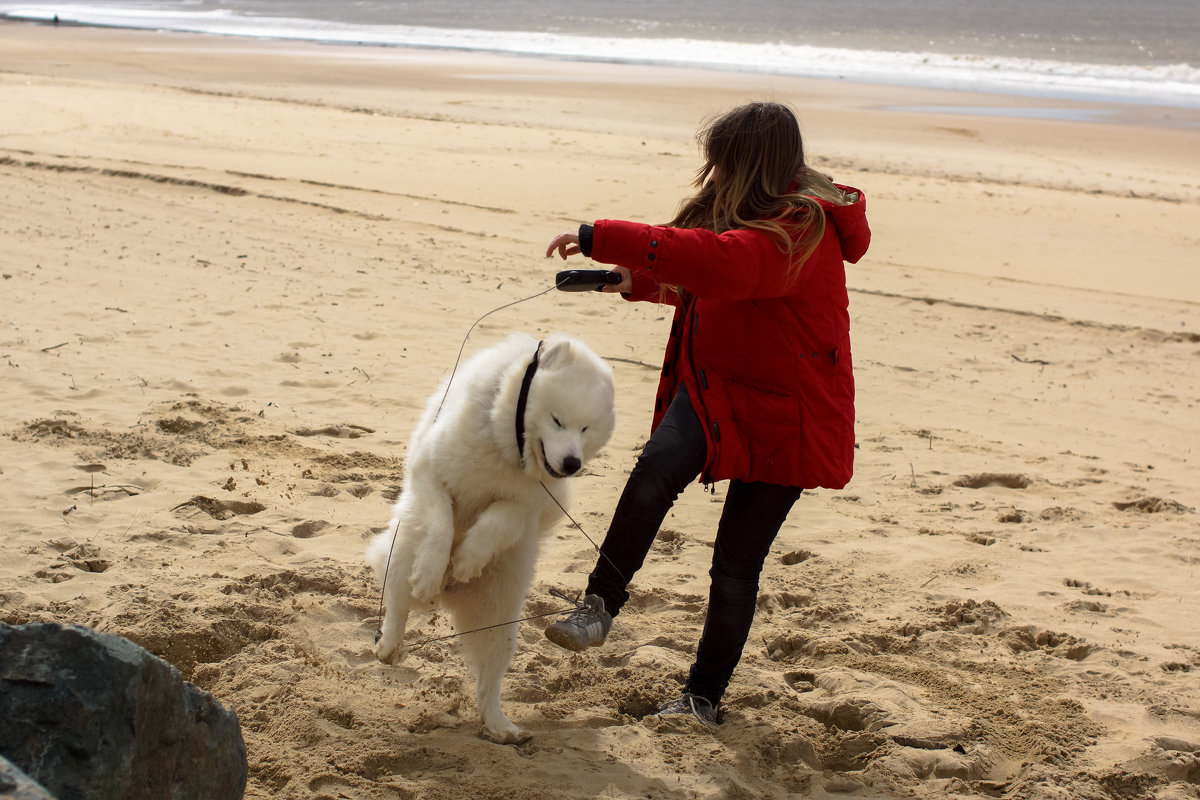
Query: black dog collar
[{"x": 523, "y": 400}]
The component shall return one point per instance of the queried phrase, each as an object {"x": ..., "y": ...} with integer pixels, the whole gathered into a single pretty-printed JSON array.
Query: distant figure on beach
[{"x": 756, "y": 387}]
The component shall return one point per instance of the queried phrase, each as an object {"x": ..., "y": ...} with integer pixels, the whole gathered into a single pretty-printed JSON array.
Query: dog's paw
[
  {"x": 389, "y": 651},
  {"x": 467, "y": 568},
  {"x": 425, "y": 587},
  {"x": 505, "y": 733}
]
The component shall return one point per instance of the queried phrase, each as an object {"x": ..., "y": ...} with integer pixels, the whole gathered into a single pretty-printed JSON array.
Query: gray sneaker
[
  {"x": 694, "y": 705},
  {"x": 587, "y": 626}
]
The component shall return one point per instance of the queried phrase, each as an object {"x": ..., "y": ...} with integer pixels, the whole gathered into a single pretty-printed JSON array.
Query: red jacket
[{"x": 766, "y": 361}]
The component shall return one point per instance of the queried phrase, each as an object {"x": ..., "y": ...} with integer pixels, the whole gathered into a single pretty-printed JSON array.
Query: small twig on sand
[
  {"x": 135, "y": 516},
  {"x": 54, "y": 347},
  {"x": 1029, "y": 360},
  {"x": 633, "y": 361}
]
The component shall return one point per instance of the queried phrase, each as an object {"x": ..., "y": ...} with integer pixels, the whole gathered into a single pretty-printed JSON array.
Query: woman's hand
[
  {"x": 567, "y": 244},
  {"x": 626, "y": 284}
]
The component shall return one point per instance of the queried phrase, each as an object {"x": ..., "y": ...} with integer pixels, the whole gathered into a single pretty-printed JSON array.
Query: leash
[
  {"x": 462, "y": 346},
  {"x": 553, "y": 593},
  {"x": 571, "y": 280}
]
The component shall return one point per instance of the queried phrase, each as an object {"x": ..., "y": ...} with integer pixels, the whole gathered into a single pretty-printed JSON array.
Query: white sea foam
[{"x": 1172, "y": 85}]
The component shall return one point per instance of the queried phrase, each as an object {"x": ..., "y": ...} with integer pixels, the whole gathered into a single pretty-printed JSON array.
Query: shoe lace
[
  {"x": 587, "y": 606},
  {"x": 572, "y": 599},
  {"x": 583, "y": 608}
]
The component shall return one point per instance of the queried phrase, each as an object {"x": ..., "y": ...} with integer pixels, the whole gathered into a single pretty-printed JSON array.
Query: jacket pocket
[{"x": 757, "y": 405}]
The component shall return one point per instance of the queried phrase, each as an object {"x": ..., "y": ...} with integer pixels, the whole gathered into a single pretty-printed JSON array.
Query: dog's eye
[
  {"x": 556, "y": 422},
  {"x": 584, "y": 429}
]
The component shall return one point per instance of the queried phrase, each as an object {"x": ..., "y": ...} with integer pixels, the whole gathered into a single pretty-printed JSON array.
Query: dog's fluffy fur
[{"x": 465, "y": 530}]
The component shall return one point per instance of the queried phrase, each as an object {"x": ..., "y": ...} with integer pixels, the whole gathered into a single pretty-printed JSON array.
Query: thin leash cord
[
  {"x": 463, "y": 346},
  {"x": 581, "y": 530},
  {"x": 554, "y": 592},
  {"x": 396, "y": 531}
]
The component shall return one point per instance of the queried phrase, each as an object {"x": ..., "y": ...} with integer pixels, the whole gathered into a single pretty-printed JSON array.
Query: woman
[{"x": 756, "y": 383}]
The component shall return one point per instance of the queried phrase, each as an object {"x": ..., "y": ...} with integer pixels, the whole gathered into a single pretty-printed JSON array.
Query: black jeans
[{"x": 750, "y": 520}]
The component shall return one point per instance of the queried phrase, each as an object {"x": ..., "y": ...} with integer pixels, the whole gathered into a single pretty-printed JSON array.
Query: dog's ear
[{"x": 552, "y": 354}]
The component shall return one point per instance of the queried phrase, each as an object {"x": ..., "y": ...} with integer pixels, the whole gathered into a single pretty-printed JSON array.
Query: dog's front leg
[
  {"x": 498, "y": 528},
  {"x": 434, "y": 543}
]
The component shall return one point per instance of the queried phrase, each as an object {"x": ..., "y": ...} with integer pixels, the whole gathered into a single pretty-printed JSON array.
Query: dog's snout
[{"x": 571, "y": 465}]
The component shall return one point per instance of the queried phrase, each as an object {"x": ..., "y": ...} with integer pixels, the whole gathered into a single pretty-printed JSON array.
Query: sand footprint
[
  {"x": 796, "y": 557},
  {"x": 1085, "y": 587},
  {"x": 221, "y": 509},
  {"x": 86, "y": 557},
  {"x": 929, "y": 737},
  {"x": 1004, "y": 479},
  {"x": 1170, "y": 759},
  {"x": 309, "y": 529},
  {"x": 1027, "y": 638},
  {"x": 336, "y": 431},
  {"x": 669, "y": 542},
  {"x": 1154, "y": 505}
]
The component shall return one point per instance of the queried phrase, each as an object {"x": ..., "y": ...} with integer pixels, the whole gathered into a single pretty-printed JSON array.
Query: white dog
[{"x": 518, "y": 417}]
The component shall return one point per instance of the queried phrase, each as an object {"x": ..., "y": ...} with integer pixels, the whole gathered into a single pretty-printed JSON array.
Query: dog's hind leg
[{"x": 495, "y": 598}]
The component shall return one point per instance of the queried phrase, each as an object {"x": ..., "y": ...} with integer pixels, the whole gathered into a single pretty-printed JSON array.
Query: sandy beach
[{"x": 234, "y": 270}]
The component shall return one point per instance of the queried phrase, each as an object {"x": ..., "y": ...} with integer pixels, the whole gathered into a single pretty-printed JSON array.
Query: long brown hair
[{"x": 754, "y": 176}]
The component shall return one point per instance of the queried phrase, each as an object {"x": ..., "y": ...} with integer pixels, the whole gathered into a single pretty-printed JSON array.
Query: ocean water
[{"x": 1135, "y": 51}]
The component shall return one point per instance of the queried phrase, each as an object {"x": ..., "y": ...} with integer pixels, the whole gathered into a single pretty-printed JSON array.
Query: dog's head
[{"x": 570, "y": 412}]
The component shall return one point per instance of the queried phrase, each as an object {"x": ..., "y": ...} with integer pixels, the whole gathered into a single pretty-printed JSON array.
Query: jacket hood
[{"x": 851, "y": 224}]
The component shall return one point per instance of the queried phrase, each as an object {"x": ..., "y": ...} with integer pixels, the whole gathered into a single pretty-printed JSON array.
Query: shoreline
[{"x": 1072, "y": 104}]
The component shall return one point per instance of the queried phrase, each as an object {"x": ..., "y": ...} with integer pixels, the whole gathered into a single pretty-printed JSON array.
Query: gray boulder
[
  {"x": 92, "y": 716},
  {"x": 16, "y": 785}
]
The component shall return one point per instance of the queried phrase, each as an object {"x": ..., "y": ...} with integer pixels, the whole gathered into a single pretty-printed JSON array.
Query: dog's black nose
[{"x": 571, "y": 465}]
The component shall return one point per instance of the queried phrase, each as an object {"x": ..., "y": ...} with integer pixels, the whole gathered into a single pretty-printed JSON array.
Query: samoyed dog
[{"x": 517, "y": 421}]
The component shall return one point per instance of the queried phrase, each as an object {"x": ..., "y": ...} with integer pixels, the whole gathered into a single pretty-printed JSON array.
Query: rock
[
  {"x": 92, "y": 715},
  {"x": 16, "y": 785}
]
